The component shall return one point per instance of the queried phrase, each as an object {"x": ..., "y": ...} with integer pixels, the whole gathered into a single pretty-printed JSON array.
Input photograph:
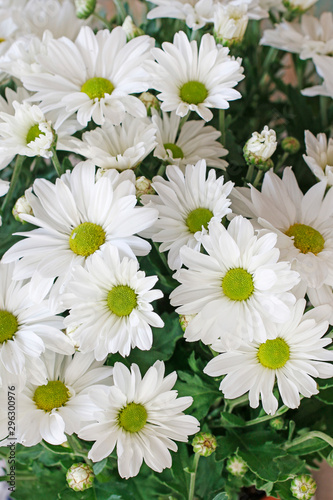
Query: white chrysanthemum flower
[
  {"x": 238, "y": 290},
  {"x": 299, "y": 6},
  {"x": 324, "y": 67},
  {"x": 27, "y": 133},
  {"x": 77, "y": 216},
  {"x": 303, "y": 223},
  {"x": 56, "y": 401},
  {"x": 307, "y": 38},
  {"x": 322, "y": 295},
  {"x": 116, "y": 146},
  {"x": 76, "y": 76},
  {"x": 4, "y": 186},
  {"x": 261, "y": 146},
  {"x": 230, "y": 23},
  {"x": 110, "y": 303},
  {"x": 26, "y": 328},
  {"x": 186, "y": 203},
  {"x": 142, "y": 416},
  {"x": 293, "y": 355},
  {"x": 194, "y": 80},
  {"x": 8, "y": 33},
  {"x": 194, "y": 142},
  {"x": 319, "y": 156},
  {"x": 196, "y": 13}
]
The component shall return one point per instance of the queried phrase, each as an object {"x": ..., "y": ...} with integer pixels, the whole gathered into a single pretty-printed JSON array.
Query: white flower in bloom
[
  {"x": 261, "y": 146},
  {"x": 110, "y": 303},
  {"x": 196, "y": 13},
  {"x": 230, "y": 23},
  {"x": 308, "y": 37},
  {"x": 322, "y": 296},
  {"x": 319, "y": 156},
  {"x": 324, "y": 67},
  {"x": 76, "y": 76},
  {"x": 238, "y": 290},
  {"x": 116, "y": 146},
  {"x": 8, "y": 33},
  {"x": 26, "y": 328},
  {"x": 26, "y": 133},
  {"x": 142, "y": 416},
  {"x": 186, "y": 203},
  {"x": 57, "y": 401},
  {"x": 4, "y": 186},
  {"x": 194, "y": 142},
  {"x": 194, "y": 80},
  {"x": 77, "y": 216},
  {"x": 303, "y": 223},
  {"x": 293, "y": 355}
]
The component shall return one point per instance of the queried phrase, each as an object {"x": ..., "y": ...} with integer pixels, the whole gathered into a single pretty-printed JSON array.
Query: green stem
[
  {"x": 77, "y": 449},
  {"x": 258, "y": 420},
  {"x": 56, "y": 162},
  {"x": 222, "y": 126},
  {"x": 310, "y": 435},
  {"x": 232, "y": 403},
  {"x": 193, "y": 476},
  {"x": 281, "y": 161},
  {"x": 249, "y": 174},
  {"x": 120, "y": 10},
  {"x": 103, "y": 20},
  {"x": 270, "y": 57},
  {"x": 258, "y": 177},
  {"x": 184, "y": 119},
  {"x": 323, "y": 106},
  {"x": 16, "y": 173}
]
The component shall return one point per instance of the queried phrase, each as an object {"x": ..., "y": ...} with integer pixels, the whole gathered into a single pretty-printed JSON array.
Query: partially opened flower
[
  {"x": 142, "y": 417},
  {"x": 196, "y": 13},
  {"x": 319, "y": 156},
  {"x": 324, "y": 67}
]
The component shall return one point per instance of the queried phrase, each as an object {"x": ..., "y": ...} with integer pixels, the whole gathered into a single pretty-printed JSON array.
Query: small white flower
[
  {"x": 84, "y": 8},
  {"x": 131, "y": 29},
  {"x": 143, "y": 186},
  {"x": 196, "y": 13},
  {"x": 261, "y": 146},
  {"x": 142, "y": 416},
  {"x": 322, "y": 295},
  {"x": 303, "y": 487},
  {"x": 21, "y": 207},
  {"x": 236, "y": 466},
  {"x": 319, "y": 156},
  {"x": 293, "y": 355},
  {"x": 324, "y": 67},
  {"x": 186, "y": 203},
  {"x": 230, "y": 23},
  {"x": 238, "y": 290},
  {"x": 192, "y": 79}
]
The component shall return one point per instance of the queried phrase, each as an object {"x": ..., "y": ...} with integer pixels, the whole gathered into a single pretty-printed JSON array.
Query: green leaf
[
  {"x": 310, "y": 446},
  {"x": 221, "y": 496},
  {"x": 231, "y": 420},
  {"x": 203, "y": 391},
  {"x": 99, "y": 466},
  {"x": 326, "y": 396}
]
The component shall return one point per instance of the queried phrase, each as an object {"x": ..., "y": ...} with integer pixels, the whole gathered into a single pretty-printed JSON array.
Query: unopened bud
[
  {"x": 22, "y": 207},
  {"x": 303, "y": 487},
  {"x": 260, "y": 147},
  {"x": 236, "y": 466},
  {"x": 230, "y": 22},
  {"x": 150, "y": 101},
  {"x": 204, "y": 444},
  {"x": 80, "y": 477},
  {"x": 277, "y": 423},
  {"x": 143, "y": 186},
  {"x": 298, "y": 7},
  {"x": 131, "y": 29},
  {"x": 84, "y": 8},
  {"x": 184, "y": 320},
  {"x": 290, "y": 145}
]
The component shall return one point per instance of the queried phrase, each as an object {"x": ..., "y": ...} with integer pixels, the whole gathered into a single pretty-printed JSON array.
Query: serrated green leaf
[
  {"x": 204, "y": 392},
  {"x": 309, "y": 446},
  {"x": 231, "y": 420}
]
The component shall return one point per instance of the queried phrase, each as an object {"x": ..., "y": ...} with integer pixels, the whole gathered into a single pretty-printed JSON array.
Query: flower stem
[
  {"x": 258, "y": 420},
  {"x": 258, "y": 177},
  {"x": 16, "y": 173},
  {"x": 249, "y": 174},
  {"x": 77, "y": 449},
  {"x": 103, "y": 20},
  {"x": 120, "y": 10},
  {"x": 281, "y": 161},
  {"x": 310, "y": 435},
  {"x": 222, "y": 126},
  {"x": 193, "y": 476},
  {"x": 56, "y": 162}
]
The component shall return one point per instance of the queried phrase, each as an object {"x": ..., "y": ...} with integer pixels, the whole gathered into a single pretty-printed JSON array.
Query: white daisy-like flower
[
  {"x": 117, "y": 146},
  {"x": 322, "y": 296},
  {"x": 142, "y": 416},
  {"x": 194, "y": 142},
  {"x": 78, "y": 77},
  {"x": 186, "y": 203},
  {"x": 26, "y": 328},
  {"x": 236, "y": 291},
  {"x": 324, "y": 67},
  {"x": 307, "y": 38},
  {"x": 8, "y": 33},
  {"x": 293, "y": 355},
  {"x": 110, "y": 304},
  {"x": 303, "y": 223},
  {"x": 78, "y": 216},
  {"x": 299, "y": 6},
  {"x": 261, "y": 146},
  {"x": 230, "y": 23},
  {"x": 319, "y": 156},
  {"x": 56, "y": 401},
  {"x": 196, "y": 13},
  {"x": 194, "y": 80}
]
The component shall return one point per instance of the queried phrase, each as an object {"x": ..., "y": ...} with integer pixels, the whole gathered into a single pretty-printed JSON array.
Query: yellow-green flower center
[
  {"x": 52, "y": 395},
  {"x": 198, "y": 218},
  {"x": 97, "y": 87},
  {"x": 237, "y": 284},
  {"x": 133, "y": 417},
  {"x": 86, "y": 238},
  {"x": 2, "y": 40},
  {"x": 193, "y": 92},
  {"x": 306, "y": 239},
  {"x": 274, "y": 354},
  {"x": 8, "y": 326},
  {"x": 176, "y": 151},
  {"x": 33, "y": 133},
  {"x": 121, "y": 300}
]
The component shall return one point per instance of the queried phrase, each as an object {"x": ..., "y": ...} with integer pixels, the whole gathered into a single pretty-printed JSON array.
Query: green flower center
[
  {"x": 52, "y": 395},
  {"x": 86, "y": 238},
  {"x": 274, "y": 354},
  {"x": 133, "y": 417},
  {"x": 97, "y": 88},
  {"x": 8, "y": 326},
  {"x": 306, "y": 239},
  {"x": 193, "y": 92},
  {"x": 237, "y": 284},
  {"x": 34, "y": 133},
  {"x": 198, "y": 218},
  {"x": 176, "y": 151},
  {"x": 121, "y": 300}
]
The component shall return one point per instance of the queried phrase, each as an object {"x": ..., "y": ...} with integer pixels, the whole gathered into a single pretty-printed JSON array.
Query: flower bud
[
  {"x": 230, "y": 22},
  {"x": 131, "y": 29},
  {"x": 84, "y": 8},
  {"x": 297, "y": 7},
  {"x": 329, "y": 459},
  {"x": 80, "y": 477},
  {"x": 150, "y": 101},
  {"x": 303, "y": 487},
  {"x": 184, "y": 320},
  {"x": 290, "y": 145},
  {"x": 204, "y": 444},
  {"x": 143, "y": 186},
  {"x": 236, "y": 466},
  {"x": 260, "y": 147},
  {"x": 21, "y": 207},
  {"x": 277, "y": 423}
]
